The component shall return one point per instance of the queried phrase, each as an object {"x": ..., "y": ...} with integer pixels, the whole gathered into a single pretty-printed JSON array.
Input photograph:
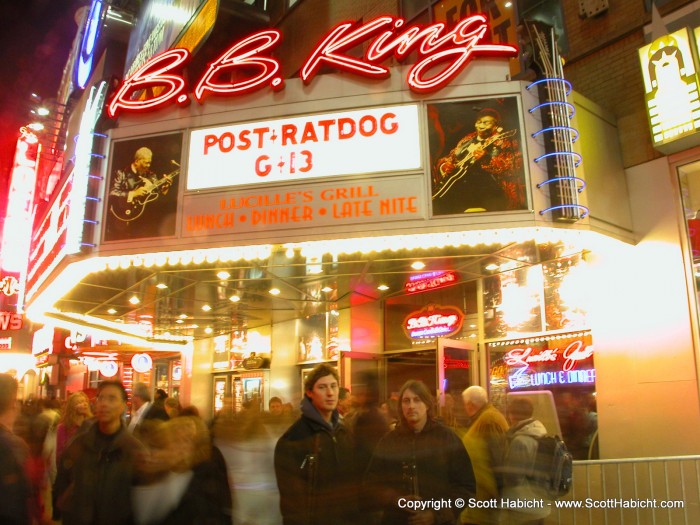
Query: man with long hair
[{"x": 420, "y": 473}]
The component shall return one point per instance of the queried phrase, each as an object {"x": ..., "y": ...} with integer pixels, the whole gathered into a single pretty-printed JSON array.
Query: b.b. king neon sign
[
  {"x": 433, "y": 321},
  {"x": 447, "y": 51}
]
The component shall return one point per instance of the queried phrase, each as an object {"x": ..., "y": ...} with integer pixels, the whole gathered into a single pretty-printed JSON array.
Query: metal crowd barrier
[{"x": 639, "y": 491}]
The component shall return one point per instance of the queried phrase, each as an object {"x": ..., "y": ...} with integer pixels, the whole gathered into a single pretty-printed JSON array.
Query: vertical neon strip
[
  {"x": 81, "y": 169},
  {"x": 18, "y": 220}
]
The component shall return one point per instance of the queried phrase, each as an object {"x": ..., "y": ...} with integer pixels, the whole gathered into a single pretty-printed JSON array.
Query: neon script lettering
[{"x": 247, "y": 65}]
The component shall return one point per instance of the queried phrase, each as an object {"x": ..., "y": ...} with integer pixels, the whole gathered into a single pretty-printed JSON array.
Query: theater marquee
[{"x": 374, "y": 140}]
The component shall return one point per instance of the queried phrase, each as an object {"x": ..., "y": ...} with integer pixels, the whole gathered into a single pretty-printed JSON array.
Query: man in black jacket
[
  {"x": 14, "y": 485},
  {"x": 95, "y": 474},
  {"x": 420, "y": 473},
  {"x": 314, "y": 459}
]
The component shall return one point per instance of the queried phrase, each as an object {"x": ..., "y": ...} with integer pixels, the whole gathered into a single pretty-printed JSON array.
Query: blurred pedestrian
[
  {"x": 366, "y": 421},
  {"x": 172, "y": 406},
  {"x": 345, "y": 403},
  {"x": 183, "y": 480},
  {"x": 519, "y": 464},
  {"x": 142, "y": 409},
  {"x": 485, "y": 441},
  {"x": 314, "y": 458},
  {"x": 14, "y": 484},
  {"x": 421, "y": 459},
  {"x": 77, "y": 417},
  {"x": 96, "y": 471}
]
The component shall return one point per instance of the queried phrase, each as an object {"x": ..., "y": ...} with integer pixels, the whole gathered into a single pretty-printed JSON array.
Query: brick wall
[{"x": 603, "y": 65}]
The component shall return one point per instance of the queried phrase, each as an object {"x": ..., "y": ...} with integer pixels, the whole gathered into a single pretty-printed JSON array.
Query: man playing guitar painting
[
  {"x": 481, "y": 173},
  {"x": 138, "y": 185},
  {"x": 142, "y": 198}
]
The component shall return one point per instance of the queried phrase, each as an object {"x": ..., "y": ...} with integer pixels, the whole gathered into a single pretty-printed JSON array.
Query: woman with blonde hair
[{"x": 76, "y": 417}]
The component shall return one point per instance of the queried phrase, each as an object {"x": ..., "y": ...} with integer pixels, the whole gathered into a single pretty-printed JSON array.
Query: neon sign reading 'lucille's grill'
[{"x": 438, "y": 49}]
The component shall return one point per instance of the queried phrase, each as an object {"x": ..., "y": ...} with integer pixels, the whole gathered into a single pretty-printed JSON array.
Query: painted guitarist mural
[
  {"x": 143, "y": 188},
  {"x": 476, "y": 158}
]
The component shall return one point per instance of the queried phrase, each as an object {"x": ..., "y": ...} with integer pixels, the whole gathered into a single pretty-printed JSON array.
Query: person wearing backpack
[{"x": 524, "y": 501}]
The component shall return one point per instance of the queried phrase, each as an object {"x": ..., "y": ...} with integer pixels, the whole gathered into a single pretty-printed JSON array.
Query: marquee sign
[
  {"x": 371, "y": 140},
  {"x": 433, "y": 321},
  {"x": 441, "y": 55}
]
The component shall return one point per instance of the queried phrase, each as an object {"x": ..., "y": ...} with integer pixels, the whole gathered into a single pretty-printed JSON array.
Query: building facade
[{"x": 316, "y": 200}]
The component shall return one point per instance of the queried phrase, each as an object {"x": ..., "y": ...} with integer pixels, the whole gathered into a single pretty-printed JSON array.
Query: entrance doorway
[{"x": 446, "y": 369}]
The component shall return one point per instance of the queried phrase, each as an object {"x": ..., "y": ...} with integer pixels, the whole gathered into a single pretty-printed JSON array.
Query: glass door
[{"x": 456, "y": 370}]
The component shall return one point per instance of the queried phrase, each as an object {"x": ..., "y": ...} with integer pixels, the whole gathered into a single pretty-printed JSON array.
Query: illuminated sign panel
[
  {"x": 9, "y": 285},
  {"x": 433, "y": 321},
  {"x": 352, "y": 142},
  {"x": 327, "y": 204},
  {"x": 671, "y": 89},
  {"x": 81, "y": 171},
  {"x": 548, "y": 362},
  {"x": 248, "y": 65},
  {"x": 85, "y": 59},
  {"x": 430, "y": 281},
  {"x": 48, "y": 243},
  {"x": 14, "y": 250},
  {"x": 168, "y": 23},
  {"x": 11, "y": 321}
]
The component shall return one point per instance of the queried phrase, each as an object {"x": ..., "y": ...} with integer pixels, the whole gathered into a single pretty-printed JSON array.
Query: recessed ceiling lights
[
  {"x": 418, "y": 265},
  {"x": 382, "y": 287},
  {"x": 208, "y": 330},
  {"x": 234, "y": 298},
  {"x": 134, "y": 299},
  {"x": 274, "y": 291},
  {"x": 206, "y": 307},
  {"x": 111, "y": 311},
  {"x": 223, "y": 275},
  {"x": 183, "y": 316},
  {"x": 326, "y": 289},
  {"x": 179, "y": 321},
  {"x": 491, "y": 267},
  {"x": 161, "y": 286}
]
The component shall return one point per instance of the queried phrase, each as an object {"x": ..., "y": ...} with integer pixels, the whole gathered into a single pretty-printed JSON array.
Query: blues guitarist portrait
[
  {"x": 138, "y": 203},
  {"x": 482, "y": 173}
]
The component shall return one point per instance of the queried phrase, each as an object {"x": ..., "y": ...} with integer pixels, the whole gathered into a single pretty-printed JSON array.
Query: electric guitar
[
  {"x": 130, "y": 211},
  {"x": 463, "y": 165}
]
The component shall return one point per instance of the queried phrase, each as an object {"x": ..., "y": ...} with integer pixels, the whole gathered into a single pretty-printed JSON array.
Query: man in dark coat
[
  {"x": 420, "y": 473},
  {"x": 95, "y": 473},
  {"x": 314, "y": 459},
  {"x": 14, "y": 484}
]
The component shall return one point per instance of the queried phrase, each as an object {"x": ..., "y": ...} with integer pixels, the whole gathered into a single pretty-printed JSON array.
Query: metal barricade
[{"x": 639, "y": 491}]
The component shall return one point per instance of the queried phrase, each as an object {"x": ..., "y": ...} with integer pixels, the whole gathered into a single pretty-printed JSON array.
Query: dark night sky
[{"x": 35, "y": 40}]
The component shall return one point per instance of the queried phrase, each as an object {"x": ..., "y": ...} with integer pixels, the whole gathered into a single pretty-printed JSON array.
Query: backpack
[{"x": 553, "y": 468}]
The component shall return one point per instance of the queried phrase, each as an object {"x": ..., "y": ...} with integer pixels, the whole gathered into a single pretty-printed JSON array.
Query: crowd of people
[{"x": 342, "y": 457}]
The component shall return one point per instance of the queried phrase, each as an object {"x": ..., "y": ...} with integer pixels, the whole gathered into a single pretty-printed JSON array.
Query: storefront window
[
  {"x": 557, "y": 373},
  {"x": 415, "y": 321},
  {"x": 689, "y": 178}
]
